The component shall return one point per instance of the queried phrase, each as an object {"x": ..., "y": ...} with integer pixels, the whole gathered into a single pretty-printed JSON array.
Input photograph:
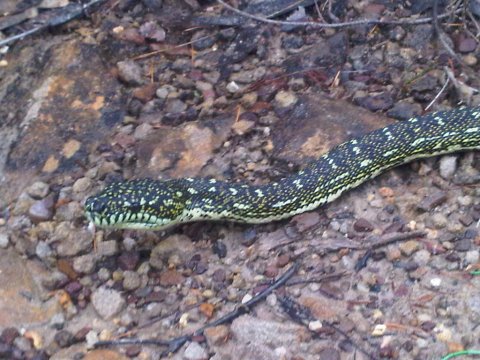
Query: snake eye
[{"x": 95, "y": 205}]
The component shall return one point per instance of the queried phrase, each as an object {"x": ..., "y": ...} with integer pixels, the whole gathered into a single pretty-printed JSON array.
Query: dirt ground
[{"x": 164, "y": 89}]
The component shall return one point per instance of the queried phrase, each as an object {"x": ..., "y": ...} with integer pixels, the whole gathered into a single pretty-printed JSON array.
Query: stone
[
  {"x": 82, "y": 185},
  {"x": 130, "y": 73},
  {"x": 84, "y": 264},
  {"x": 448, "y": 166},
  {"x": 195, "y": 352},
  {"x": 43, "y": 250},
  {"x": 431, "y": 201},
  {"x": 41, "y": 210},
  {"x": 286, "y": 98},
  {"x": 38, "y": 190},
  {"x": 174, "y": 244},
  {"x": 4, "y": 239},
  {"x": 19, "y": 277},
  {"x": 107, "y": 302},
  {"x": 131, "y": 280},
  {"x": 71, "y": 241},
  {"x": 363, "y": 225}
]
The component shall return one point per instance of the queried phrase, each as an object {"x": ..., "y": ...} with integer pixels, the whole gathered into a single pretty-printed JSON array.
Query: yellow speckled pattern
[{"x": 156, "y": 204}]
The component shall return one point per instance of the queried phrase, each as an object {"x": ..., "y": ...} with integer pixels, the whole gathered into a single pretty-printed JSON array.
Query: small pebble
[
  {"x": 130, "y": 73},
  {"x": 3, "y": 240},
  {"x": 472, "y": 256},
  {"x": 84, "y": 264},
  {"x": 43, "y": 250},
  {"x": 233, "y": 87},
  {"x": 195, "y": 351},
  {"x": 82, "y": 185},
  {"x": 448, "y": 166},
  {"x": 363, "y": 225},
  {"x": 285, "y": 98},
  {"x": 41, "y": 210},
  {"x": 38, "y": 190},
  {"x": 131, "y": 280},
  {"x": 107, "y": 302}
]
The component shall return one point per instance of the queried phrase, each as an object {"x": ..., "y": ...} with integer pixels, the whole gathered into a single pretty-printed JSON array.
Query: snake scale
[{"x": 156, "y": 204}]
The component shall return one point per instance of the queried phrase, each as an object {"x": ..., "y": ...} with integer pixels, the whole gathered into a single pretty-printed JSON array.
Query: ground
[{"x": 167, "y": 89}]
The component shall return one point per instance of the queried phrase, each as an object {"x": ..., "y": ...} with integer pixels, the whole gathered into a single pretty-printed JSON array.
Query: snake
[{"x": 153, "y": 204}]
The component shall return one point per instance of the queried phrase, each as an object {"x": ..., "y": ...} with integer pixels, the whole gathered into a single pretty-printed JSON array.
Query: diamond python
[{"x": 156, "y": 204}]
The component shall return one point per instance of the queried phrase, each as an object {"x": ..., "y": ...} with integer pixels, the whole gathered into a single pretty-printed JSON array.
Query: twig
[
  {"x": 385, "y": 240},
  {"x": 394, "y": 237},
  {"x": 438, "y": 94},
  {"x": 174, "y": 344},
  {"x": 338, "y": 25}
]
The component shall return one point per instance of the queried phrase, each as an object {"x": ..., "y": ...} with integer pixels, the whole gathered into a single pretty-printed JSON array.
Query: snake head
[{"x": 136, "y": 204}]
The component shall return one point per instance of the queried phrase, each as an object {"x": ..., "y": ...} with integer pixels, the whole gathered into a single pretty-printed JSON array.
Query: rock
[
  {"x": 409, "y": 247},
  {"x": 24, "y": 202},
  {"x": 71, "y": 241},
  {"x": 242, "y": 127},
  {"x": 432, "y": 201},
  {"x": 107, "y": 248},
  {"x": 20, "y": 277},
  {"x": 84, "y": 264},
  {"x": 128, "y": 260},
  {"x": 82, "y": 185},
  {"x": 329, "y": 353},
  {"x": 306, "y": 221},
  {"x": 70, "y": 211},
  {"x": 130, "y": 73},
  {"x": 4, "y": 239},
  {"x": 131, "y": 280},
  {"x": 102, "y": 354},
  {"x": 258, "y": 339},
  {"x": 63, "y": 338},
  {"x": 472, "y": 256},
  {"x": 142, "y": 130},
  {"x": 201, "y": 40},
  {"x": 405, "y": 110},
  {"x": 425, "y": 83},
  {"x": 43, "y": 250},
  {"x": 38, "y": 190},
  {"x": 465, "y": 43},
  {"x": 107, "y": 302},
  {"x": 41, "y": 210},
  {"x": 463, "y": 245},
  {"x": 448, "y": 166},
  {"x": 195, "y": 352},
  {"x": 233, "y": 87},
  {"x": 363, "y": 225},
  {"x": 285, "y": 99},
  {"x": 383, "y": 101},
  {"x": 152, "y": 31},
  {"x": 171, "y": 278},
  {"x": 174, "y": 244},
  {"x": 217, "y": 335},
  {"x": 439, "y": 220},
  {"x": 145, "y": 93},
  {"x": 175, "y": 106},
  {"x": 422, "y": 257}
]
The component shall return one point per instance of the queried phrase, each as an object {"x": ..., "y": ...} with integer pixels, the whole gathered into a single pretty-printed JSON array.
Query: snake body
[{"x": 156, "y": 204}]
